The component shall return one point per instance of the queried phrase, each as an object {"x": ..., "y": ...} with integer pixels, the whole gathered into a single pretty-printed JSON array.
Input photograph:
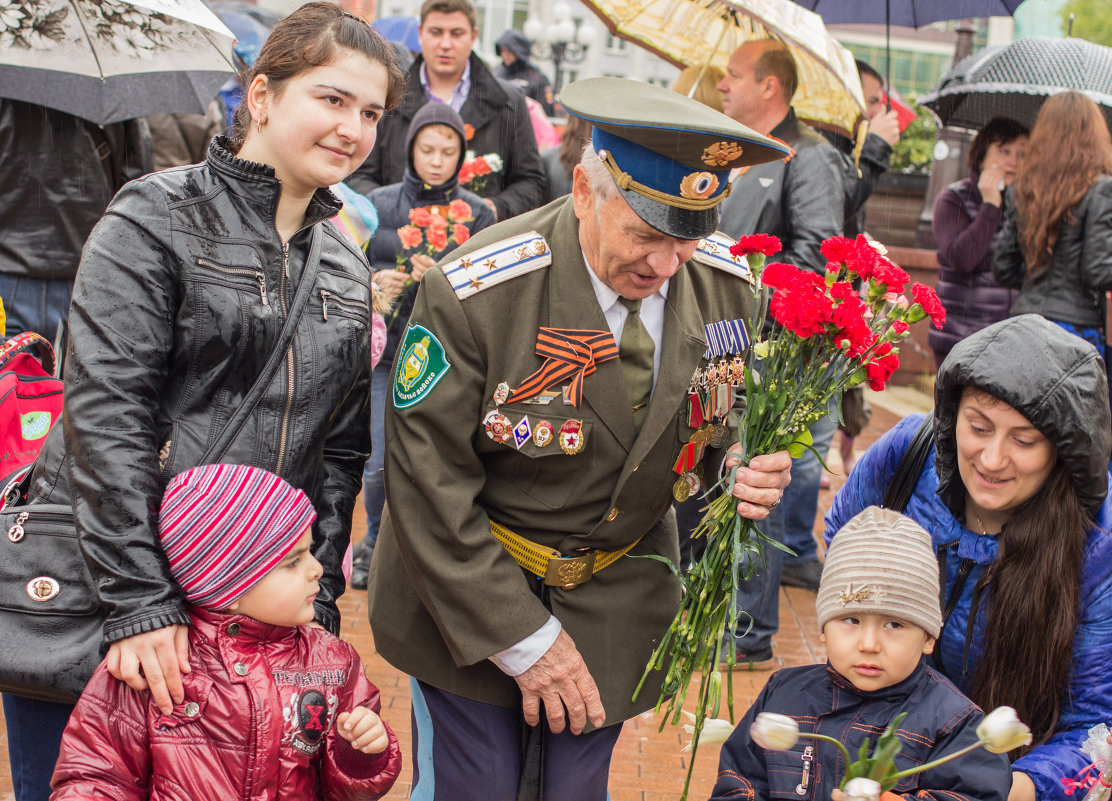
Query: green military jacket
[{"x": 445, "y": 594}]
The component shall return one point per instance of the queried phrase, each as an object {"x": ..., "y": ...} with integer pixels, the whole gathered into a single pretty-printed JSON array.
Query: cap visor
[{"x": 670, "y": 220}]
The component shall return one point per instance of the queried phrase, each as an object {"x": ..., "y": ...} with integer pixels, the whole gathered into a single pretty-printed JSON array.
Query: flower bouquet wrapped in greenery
[{"x": 826, "y": 336}]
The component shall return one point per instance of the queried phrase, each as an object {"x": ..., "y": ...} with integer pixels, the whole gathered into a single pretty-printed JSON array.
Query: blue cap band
[{"x": 666, "y": 180}]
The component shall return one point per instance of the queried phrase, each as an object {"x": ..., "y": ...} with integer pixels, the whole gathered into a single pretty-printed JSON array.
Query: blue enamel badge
[{"x": 420, "y": 366}]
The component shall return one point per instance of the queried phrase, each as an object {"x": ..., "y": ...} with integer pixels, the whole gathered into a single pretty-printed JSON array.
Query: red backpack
[{"x": 30, "y": 399}]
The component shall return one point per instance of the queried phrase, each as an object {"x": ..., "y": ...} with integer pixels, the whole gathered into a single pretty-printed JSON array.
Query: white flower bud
[
  {"x": 774, "y": 732},
  {"x": 715, "y": 731},
  {"x": 1002, "y": 731},
  {"x": 861, "y": 789}
]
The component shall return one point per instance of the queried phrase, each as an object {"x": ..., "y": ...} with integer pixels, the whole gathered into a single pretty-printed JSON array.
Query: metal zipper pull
[
  {"x": 808, "y": 757},
  {"x": 286, "y": 259},
  {"x": 324, "y": 296},
  {"x": 261, "y": 278},
  {"x": 15, "y": 533}
]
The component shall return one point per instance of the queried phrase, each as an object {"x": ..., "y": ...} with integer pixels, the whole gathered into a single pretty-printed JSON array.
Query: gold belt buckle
[{"x": 569, "y": 572}]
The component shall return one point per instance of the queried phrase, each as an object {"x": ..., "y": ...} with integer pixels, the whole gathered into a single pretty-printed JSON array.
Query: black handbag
[{"x": 51, "y": 621}]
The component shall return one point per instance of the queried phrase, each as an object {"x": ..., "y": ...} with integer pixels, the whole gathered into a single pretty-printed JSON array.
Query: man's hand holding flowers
[{"x": 759, "y": 486}]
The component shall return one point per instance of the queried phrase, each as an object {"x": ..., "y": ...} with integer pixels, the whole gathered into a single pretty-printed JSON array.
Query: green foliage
[
  {"x": 880, "y": 767},
  {"x": 1092, "y": 20},
  {"x": 914, "y": 152}
]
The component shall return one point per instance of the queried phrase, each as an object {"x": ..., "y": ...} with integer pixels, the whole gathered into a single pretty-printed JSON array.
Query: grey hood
[{"x": 1053, "y": 378}]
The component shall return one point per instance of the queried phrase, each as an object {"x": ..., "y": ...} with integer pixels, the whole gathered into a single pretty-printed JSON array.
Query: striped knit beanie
[
  {"x": 225, "y": 526},
  {"x": 881, "y": 562}
]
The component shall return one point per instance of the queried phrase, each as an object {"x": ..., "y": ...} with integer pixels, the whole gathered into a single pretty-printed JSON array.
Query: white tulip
[
  {"x": 774, "y": 732},
  {"x": 861, "y": 789},
  {"x": 715, "y": 731},
  {"x": 1002, "y": 731}
]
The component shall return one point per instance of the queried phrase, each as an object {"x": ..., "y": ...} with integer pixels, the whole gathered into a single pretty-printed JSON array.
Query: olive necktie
[{"x": 636, "y": 356}]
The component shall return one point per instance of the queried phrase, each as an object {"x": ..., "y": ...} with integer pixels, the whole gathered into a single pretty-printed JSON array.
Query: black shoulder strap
[
  {"x": 285, "y": 338},
  {"x": 910, "y": 467}
]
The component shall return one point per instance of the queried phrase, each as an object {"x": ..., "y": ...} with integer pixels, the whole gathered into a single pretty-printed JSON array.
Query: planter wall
[{"x": 892, "y": 212}]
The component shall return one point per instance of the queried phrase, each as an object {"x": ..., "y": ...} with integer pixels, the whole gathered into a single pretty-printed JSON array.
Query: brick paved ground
[{"x": 649, "y": 765}]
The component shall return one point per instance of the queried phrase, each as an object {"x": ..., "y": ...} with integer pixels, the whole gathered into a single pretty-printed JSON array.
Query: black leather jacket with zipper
[{"x": 183, "y": 289}]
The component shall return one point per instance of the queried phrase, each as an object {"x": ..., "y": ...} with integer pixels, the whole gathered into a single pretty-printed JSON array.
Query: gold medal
[
  {"x": 681, "y": 490},
  {"x": 542, "y": 434},
  {"x": 571, "y": 437}
]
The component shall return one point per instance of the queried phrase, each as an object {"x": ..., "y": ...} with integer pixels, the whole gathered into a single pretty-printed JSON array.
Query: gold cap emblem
[
  {"x": 699, "y": 185},
  {"x": 721, "y": 153}
]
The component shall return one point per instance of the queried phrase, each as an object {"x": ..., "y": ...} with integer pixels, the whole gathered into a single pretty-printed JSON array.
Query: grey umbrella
[
  {"x": 111, "y": 60},
  {"x": 1014, "y": 79}
]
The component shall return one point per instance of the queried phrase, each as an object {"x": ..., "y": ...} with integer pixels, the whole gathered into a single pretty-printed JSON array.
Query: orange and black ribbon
[{"x": 569, "y": 353}]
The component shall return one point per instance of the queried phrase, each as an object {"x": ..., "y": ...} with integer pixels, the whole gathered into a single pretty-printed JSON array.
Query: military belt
[{"x": 557, "y": 570}]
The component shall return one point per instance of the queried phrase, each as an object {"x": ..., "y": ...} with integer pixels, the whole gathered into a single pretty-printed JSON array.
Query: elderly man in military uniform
[{"x": 564, "y": 376}]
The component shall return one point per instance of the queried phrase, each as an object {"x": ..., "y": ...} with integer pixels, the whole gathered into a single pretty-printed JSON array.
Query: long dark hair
[
  {"x": 1070, "y": 148},
  {"x": 1035, "y": 580},
  {"x": 312, "y": 36}
]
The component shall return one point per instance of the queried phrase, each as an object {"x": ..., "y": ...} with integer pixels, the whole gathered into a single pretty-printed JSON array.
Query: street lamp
[{"x": 563, "y": 41}]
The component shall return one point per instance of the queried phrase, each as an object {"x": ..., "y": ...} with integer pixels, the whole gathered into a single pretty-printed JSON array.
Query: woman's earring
[{"x": 259, "y": 123}]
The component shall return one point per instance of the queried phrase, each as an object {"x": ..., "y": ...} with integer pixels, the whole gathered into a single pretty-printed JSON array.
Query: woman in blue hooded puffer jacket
[{"x": 1014, "y": 493}]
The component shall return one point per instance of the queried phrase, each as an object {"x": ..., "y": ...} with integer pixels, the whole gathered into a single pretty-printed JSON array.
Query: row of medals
[
  {"x": 710, "y": 397},
  {"x": 500, "y": 429}
]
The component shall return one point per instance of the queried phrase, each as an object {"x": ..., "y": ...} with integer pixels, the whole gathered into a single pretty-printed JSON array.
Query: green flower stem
[{"x": 895, "y": 777}]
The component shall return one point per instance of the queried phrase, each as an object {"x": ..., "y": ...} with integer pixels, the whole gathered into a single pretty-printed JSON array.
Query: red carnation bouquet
[
  {"x": 431, "y": 230},
  {"x": 826, "y": 337}
]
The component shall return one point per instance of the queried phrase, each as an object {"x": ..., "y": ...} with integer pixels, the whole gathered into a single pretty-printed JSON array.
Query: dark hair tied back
[{"x": 312, "y": 36}]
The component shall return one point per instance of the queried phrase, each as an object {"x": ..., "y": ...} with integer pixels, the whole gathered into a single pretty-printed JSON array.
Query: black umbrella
[
  {"x": 908, "y": 13},
  {"x": 1014, "y": 79},
  {"x": 112, "y": 60}
]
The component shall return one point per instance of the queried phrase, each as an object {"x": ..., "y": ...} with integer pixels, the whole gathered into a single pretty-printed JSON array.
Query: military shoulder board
[
  {"x": 493, "y": 264},
  {"x": 714, "y": 250}
]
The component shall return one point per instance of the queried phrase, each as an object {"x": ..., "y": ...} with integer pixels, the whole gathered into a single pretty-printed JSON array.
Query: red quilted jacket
[{"x": 258, "y": 722}]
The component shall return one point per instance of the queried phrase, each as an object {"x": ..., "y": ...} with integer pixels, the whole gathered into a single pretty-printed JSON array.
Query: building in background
[{"x": 919, "y": 56}]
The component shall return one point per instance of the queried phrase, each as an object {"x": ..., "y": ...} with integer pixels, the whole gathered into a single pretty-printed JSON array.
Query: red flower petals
[{"x": 765, "y": 244}]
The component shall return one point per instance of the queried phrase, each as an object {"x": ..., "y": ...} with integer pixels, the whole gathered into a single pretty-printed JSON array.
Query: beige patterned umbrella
[
  {"x": 693, "y": 32},
  {"x": 111, "y": 60}
]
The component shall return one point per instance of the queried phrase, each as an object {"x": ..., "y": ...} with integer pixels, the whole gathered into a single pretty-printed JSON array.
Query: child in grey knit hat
[{"x": 878, "y": 610}]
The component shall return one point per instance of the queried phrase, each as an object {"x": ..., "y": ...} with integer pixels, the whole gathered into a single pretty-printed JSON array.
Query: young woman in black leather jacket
[{"x": 183, "y": 289}]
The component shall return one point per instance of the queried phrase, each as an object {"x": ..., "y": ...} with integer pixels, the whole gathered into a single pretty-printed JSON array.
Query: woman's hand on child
[
  {"x": 364, "y": 730},
  {"x": 155, "y": 661}
]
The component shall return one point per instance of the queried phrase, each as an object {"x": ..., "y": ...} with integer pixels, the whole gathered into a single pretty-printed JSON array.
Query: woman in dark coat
[
  {"x": 967, "y": 216},
  {"x": 184, "y": 287},
  {"x": 1056, "y": 243}
]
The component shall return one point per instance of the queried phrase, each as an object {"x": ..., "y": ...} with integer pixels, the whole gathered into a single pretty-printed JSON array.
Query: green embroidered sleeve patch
[{"x": 420, "y": 365}]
